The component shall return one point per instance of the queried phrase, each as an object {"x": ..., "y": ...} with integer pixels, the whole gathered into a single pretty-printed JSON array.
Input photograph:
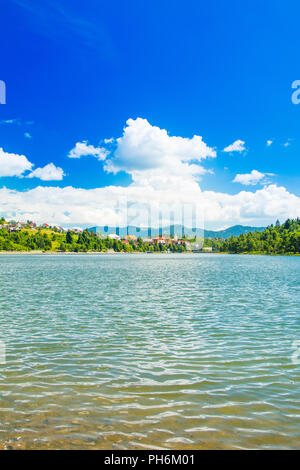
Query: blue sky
[{"x": 77, "y": 71}]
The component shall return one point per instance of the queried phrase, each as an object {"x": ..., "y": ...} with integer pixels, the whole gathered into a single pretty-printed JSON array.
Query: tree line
[
  {"x": 24, "y": 240},
  {"x": 275, "y": 239}
]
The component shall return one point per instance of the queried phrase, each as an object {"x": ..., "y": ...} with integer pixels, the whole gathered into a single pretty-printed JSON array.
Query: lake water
[{"x": 150, "y": 351}]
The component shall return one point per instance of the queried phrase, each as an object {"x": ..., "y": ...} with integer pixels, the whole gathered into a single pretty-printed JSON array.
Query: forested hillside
[
  {"x": 278, "y": 239},
  {"x": 49, "y": 240}
]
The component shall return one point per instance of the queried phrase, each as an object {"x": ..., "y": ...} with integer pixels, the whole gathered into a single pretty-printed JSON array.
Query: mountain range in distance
[
  {"x": 178, "y": 230},
  {"x": 234, "y": 231}
]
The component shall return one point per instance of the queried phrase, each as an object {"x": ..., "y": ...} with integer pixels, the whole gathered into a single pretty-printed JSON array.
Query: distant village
[
  {"x": 13, "y": 226},
  {"x": 150, "y": 241}
]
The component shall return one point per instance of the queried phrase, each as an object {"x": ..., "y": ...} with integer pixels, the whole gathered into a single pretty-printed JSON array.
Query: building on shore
[
  {"x": 131, "y": 237},
  {"x": 114, "y": 236}
]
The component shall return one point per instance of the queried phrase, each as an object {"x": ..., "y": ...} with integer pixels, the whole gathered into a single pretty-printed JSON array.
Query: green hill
[
  {"x": 278, "y": 239},
  {"x": 235, "y": 231}
]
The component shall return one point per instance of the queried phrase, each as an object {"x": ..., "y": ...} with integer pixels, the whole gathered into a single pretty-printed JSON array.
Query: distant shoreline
[
  {"x": 138, "y": 253},
  {"x": 95, "y": 253},
  {"x": 89, "y": 253}
]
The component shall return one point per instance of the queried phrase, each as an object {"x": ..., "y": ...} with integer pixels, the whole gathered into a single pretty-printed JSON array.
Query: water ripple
[{"x": 140, "y": 352}]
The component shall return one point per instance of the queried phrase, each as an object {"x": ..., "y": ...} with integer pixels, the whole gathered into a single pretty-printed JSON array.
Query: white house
[{"x": 114, "y": 236}]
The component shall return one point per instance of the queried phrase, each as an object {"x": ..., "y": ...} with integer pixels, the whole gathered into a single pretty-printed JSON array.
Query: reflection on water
[{"x": 149, "y": 351}]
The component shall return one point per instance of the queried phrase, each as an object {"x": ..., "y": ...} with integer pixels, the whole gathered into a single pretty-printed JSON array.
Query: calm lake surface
[{"x": 150, "y": 351}]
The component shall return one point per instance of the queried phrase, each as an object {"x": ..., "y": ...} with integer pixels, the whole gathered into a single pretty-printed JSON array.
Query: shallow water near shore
[{"x": 150, "y": 351}]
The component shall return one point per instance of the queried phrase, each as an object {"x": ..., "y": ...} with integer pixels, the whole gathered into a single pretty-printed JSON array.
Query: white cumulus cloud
[
  {"x": 12, "y": 164},
  {"x": 252, "y": 178},
  {"x": 164, "y": 169},
  {"x": 237, "y": 146},
  {"x": 269, "y": 143},
  {"x": 49, "y": 172},
  {"x": 101, "y": 206},
  {"x": 82, "y": 149},
  {"x": 144, "y": 148}
]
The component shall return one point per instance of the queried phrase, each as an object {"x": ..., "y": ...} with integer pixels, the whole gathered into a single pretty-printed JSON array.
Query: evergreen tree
[{"x": 69, "y": 237}]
